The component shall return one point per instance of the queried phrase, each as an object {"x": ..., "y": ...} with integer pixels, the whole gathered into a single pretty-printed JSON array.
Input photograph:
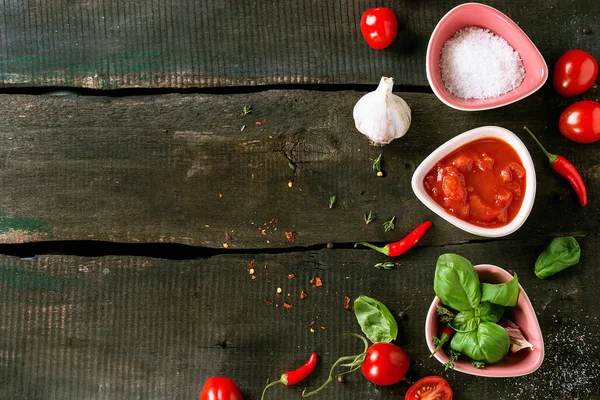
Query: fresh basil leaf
[
  {"x": 465, "y": 321},
  {"x": 456, "y": 283},
  {"x": 504, "y": 294},
  {"x": 489, "y": 312},
  {"x": 375, "y": 320},
  {"x": 488, "y": 343},
  {"x": 561, "y": 253}
]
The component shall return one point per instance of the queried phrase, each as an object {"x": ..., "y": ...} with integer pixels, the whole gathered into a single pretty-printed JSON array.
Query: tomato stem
[{"x": 356, "y": 362}]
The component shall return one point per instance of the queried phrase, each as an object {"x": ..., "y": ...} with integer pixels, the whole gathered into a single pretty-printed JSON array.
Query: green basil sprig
[
  {"x": 375, "y": 320},
  {"x": 561, "y": 253},
  {"x": 480, "y": 307},
  {"x": 456, "y": 282},
  {"x": 504, "y": 294}
]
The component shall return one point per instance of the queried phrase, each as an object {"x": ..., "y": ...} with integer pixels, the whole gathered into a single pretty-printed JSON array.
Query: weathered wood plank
[
  {"x": 177, "y": 44},
  {"x": 176, "y": 168},
  {"x": 141, "y": 328}
]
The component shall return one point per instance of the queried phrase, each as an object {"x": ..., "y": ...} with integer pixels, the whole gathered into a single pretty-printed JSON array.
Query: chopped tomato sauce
[{"x": 483, "y": 183}]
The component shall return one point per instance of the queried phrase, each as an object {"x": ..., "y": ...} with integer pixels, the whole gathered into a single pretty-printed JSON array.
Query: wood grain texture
[
  {"x": 177, "y": 168},
  {"x": 142, "y": 328},
  {"x": 180, "y": 44}
]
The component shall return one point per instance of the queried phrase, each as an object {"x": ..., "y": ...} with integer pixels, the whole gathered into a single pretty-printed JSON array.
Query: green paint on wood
[
  {"x": 15, "y": 275},
  {"x": 8, "y": 223}
]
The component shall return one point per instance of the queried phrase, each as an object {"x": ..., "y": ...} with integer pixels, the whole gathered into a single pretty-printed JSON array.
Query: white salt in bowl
[{"x": 480, "y": 15}]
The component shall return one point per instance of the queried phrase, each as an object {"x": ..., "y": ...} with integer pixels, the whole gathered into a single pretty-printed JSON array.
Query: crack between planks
[
  {"x": 225, "y": 90},
  {"x": 175, "y": 251}
]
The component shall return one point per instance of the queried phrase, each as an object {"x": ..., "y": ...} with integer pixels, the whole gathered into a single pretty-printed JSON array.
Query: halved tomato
[{"x": 430, "y": 388}]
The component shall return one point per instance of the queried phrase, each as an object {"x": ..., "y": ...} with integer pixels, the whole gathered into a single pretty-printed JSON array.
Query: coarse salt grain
[{"x": 477, "y": 64}]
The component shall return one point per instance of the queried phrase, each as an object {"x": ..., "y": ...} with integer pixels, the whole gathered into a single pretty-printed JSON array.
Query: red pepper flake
[
  {"x": 264, "y": 232},
  {"x": 303, "y": 294},
  {"x": 291, "y": 276},
  {"x": 316, "y": 281},
  {"x": 287, "y": 306},
  {"x": 258, "y": 122},
  {"x": 252, "y": 264},
  {"x": 264, "y": 121},
  {"x": 290, "y": 236},
  {"x": 253, "y": 277},
  {"x": 346, "y": 302},
  {"x": 269, "y": 303},
  {"x": 322, "y": 328},
  {"x": 312, "y": 323}
]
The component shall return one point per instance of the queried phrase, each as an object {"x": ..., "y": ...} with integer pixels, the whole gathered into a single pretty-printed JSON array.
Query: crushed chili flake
[
  {"x": 287, "y": 306},
  {"x": 253, "y": 277},
  {"x": 312, "y": 323},
  {"x": 316, "y": 281},
  {"x": 264, "y": 232},
  {"x": 303, "y": 294},
  {"x": 258, "y": 122},
  {"x": 252, "y": 264},
  {"x": 269, "y": 303},
  {"x": 220, "y": 195},
  {"x": 264, "y": 121},
  {"x": 291, "y": 276},
  {"x": 322, "y": 328},
  {"x": 346, "y": 302},
  {"x": 290, "y": 236}
]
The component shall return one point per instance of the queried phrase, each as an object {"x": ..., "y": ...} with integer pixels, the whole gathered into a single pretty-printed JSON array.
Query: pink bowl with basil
[{"x": 521, "y": 363}]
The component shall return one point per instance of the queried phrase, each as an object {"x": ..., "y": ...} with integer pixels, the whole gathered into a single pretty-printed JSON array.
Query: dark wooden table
[{"x": 117, "y": 202}]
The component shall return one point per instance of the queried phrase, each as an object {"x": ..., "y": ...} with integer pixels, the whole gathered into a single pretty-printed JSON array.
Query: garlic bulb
[{"x": 381, "y": 115}]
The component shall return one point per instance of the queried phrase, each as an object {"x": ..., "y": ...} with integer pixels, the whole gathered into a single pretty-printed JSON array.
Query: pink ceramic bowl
[
  {"x": 515, "y": 364},
  {"x": 475, "y": 14}
]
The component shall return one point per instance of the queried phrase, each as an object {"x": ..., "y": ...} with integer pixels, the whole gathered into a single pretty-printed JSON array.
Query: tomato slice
[{"x": 430, "y": 388}]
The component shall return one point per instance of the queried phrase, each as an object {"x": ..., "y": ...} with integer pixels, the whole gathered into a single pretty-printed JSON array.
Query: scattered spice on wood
[
  {"x": 586, "y": 31},
  {"x": 290, "y": 184},
  {"x": 251, "y": 271},
  {"x": 269, "y": 303},
  {"x": 330, "y": 245},
  {"x": 346, "y": 302},
  {"x": 290, "y": 236},
  {"x": 264, "y": 121},
  {"x": 291, "y": 276},
  {"x": 311, "y": 323},
  {"x": 252, "y": 264},
  {"x": 228, "y": 237},
  {"x": 225, "y": 245},
  {"x": 340, "y": 378},
  {"x": 312, "y": 330},
  {"x": 258, "y": 122},
  {"x": 243, "y": 127},
  {"x": 303, "y": 294},
  {"x": 332, "y": 200},
  {"x": 316, "y": 281},
  {"x": 322, "y": 328},
  {"x": 253, "y": 277},
  {"x": 287, "y": 306},
  {"x": 279, "y": 290},
  {"x": 292, "y": 166}
]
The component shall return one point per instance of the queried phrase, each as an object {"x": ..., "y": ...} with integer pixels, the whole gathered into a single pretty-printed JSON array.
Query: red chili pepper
[
  {"x": 293, "y": 377},
  {"x": 445, "y": 335},
  {"x": 398, "y": 248},
  {"x": 566, "y": 170}
]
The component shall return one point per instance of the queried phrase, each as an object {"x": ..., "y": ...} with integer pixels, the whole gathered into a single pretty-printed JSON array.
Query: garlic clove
[{"x": 382, "y": 116}]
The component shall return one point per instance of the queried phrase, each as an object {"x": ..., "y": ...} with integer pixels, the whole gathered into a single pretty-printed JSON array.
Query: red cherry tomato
[
  {"x": 385, "y": 364},
  {"x": 430, "y": 388},
  {"x": 379, "y": 27},
  {"x": 575, "y": 72},
  {"x": 220, "y": 388},
  {"x": 581, "y": 122}
]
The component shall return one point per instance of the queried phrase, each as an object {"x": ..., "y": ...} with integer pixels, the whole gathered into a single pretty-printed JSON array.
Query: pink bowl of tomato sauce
[{"x": 482, "y": 181}]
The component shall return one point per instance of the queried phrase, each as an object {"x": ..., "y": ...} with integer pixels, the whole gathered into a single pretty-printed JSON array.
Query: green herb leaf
[
  {"x": 453, "y": 355},
  {"x": 489, "y": 312},
  {"x": 246, "y": 110},
  {"x": 292, "y": 166},
  {"x": 377, "y": 164},
  {"x": 385, "y": 265},
  {"x": 445, "y": 314},
  {"x": 504, "y": 294},
  {"x": 332, "y": 200},
  {"x": 375, "y": 320},
  {"x": 488, "y": 343},
  {"x": 389, "y": 225},
  {"x": 370, "y": 217},
  {"x": 478, "y": 364},
  {"x": 456, "y": 283},
  {"x": 561, "y": 253}
]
